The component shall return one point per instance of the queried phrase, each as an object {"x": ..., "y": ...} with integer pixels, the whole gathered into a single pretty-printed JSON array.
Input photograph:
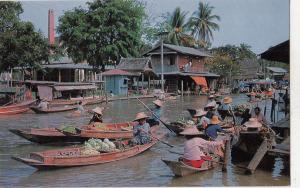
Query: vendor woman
[
  {"x": 196, "y": 149},
  {"x": 97, "y": 117},
  {"x": 141, "y": 131}
]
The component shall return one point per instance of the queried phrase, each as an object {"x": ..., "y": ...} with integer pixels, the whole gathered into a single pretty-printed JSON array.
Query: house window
[
  {"x": 125, "y": 81},
  {"x": 172, "y": 60}
]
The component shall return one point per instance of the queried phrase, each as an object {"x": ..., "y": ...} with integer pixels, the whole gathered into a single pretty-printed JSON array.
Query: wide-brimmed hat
[
  {"x": 215, "y": 120},
  {"x": 200, "y": 112},
  {"x": 252, "y": 93},
  {"x": 158, "y": 103},
  {"x": 140, "y": 115},
  {"x": 211, "y": 104},
  {"x": 269, "y": 89},
  {"x": 253, "y": 123},
  {"x": 211, "y": 96},
  {"x": 190, "y": 131},
  {"x": 227, "y": 100},
  {"x": 98, "y": 110}
]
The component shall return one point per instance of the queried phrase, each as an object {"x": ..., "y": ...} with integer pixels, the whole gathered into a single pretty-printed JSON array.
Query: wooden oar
[
  {"x": 166, "y": 125},
  {"x": 170, "y": 145},
  {"x": 159, "y": 139}
]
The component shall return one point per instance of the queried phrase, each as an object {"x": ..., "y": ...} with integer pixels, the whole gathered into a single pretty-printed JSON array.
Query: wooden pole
[
  {"x": 59, "y": 75},
  {"x": 226, "y": 155},
  {"x": 182, "y": 88},
  {"x": 142, "y": 81}
]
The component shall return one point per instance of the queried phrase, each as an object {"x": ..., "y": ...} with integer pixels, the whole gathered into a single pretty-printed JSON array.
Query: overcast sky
[{"x": 259, "y": 23}]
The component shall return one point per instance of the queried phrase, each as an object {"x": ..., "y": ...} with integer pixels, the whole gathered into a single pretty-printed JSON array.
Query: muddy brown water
[{"x": 146, "y": 169}]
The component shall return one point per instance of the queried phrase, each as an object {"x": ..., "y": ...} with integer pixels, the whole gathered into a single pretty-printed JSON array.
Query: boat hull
[
  {"x": 52, "y": 135},
  {"x": 71, "y": 157},
  {"x": 16, "y": 108},
  {"x": 53, "y": 110},
  {"x": 71, "y": 102},
  {"x": 180, "y": 169}
]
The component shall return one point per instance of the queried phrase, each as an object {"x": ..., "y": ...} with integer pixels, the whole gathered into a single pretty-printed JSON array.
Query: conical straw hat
[
  {"x": 190, "y": 131},
  {"x": 211, "y": 96},
  {"x": 253, "y": 123},
  {"x": 140, "y": 115},
  {"x": 200, "y": 112},
  {"x": 227, "y": 100},
  {"x": 98, "y": 110},
  {"x": 158, "y": 103},
  {"x": 215, "y": 120}
]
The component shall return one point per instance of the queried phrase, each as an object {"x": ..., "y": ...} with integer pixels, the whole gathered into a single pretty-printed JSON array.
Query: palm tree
[
  {"x": 202, "y": 24},
  {"x": 175, "y": 27}
]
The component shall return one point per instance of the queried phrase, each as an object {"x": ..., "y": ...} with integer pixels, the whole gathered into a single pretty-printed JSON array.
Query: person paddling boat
[
  {"x": 97, "y": 117},
  {"x": 157, "y": 111},
  {"x": 196, "y": 149}
]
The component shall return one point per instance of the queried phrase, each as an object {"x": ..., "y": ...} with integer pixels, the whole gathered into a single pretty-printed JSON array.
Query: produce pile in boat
[
  {"x": 95, "y": 146},
  {"x": 69, "y": 129},
  {"x": 241, "y": 108}
]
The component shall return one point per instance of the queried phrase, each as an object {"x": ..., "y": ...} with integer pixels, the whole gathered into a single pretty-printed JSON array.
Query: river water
[{"x": 146, "y": 169}]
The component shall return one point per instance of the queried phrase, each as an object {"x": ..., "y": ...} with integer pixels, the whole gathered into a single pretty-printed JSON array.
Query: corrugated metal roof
[
  {"x": 80, "y": 87},
  {"x": 117, "y": 72},
  {"x": 68, "y": 66},
  {"x": 183, "y": 50},
  {"x": 204, "y": 74},
  {"x": 187, "y": 50},
  {"x": 135, "y": 64},
  {"x": 277, "y": 69}
]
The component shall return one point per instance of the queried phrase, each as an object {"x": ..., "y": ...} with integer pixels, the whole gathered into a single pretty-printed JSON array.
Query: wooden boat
[
  {"x": 53, "y": 109},
  {"x": 176, "y": 127},
  {"x": 181, "y": 169},
  {"x": 16, "y": 108},
  {"x": 53, "y": 135},
  {"x": 72, "y": 157},
  {"x": 86, "y": 101}
]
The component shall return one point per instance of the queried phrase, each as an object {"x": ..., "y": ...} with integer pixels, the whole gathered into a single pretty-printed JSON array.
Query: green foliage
[
  {"x": 108, "y": 30},
  {"x": 202, "y": 24},
  {"x": 20, "y": 44},
  {"x": 225, "y": 61},
  {"x": 176, "y": 28}
]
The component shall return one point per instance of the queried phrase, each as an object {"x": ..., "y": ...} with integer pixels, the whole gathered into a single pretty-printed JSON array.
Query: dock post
[
  {"x": 260, "y": 153},
  {"x": 182, "y": 88},
  {"x": 106, "y": 98},
  {"x": 227, "y": 154}
]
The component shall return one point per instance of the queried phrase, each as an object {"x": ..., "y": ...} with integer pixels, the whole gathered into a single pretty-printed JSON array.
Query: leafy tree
[
  {"x": 225, "y": 61},
  {"x": 20, "y": 44},
  {"x": 202, "y": 24},
  {"x": 175, "y": 27},
  {"x": 106, "y": 31}
]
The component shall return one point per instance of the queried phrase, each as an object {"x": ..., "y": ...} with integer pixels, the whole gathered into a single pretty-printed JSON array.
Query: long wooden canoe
[
  {"x": 53, "y": 135},
  {"x": 54, "y": 109},
  {"x": 86, "y": 101},
  {"x": 72, "y": 157},
  {"x": 16, "y": 108},
  {"x": 181, "y": 169}
]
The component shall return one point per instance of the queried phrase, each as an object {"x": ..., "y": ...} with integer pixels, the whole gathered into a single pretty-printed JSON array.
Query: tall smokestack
[{"x": 51, "y": 36}]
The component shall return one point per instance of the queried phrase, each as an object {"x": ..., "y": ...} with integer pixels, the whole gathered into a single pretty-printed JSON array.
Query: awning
[
  {"x": 68, "y": 88},
  {"x": 199, "y": 80}
]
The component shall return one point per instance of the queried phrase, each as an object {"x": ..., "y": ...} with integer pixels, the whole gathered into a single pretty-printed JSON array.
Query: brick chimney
[{"x": 51, "y": 35}]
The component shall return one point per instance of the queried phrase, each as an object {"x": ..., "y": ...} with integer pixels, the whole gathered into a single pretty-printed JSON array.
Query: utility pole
[{"x": 162, "y": 63}]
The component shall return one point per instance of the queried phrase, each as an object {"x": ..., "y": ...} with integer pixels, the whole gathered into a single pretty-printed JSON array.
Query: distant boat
[{"x": 16, "y": 108}]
